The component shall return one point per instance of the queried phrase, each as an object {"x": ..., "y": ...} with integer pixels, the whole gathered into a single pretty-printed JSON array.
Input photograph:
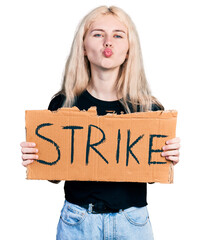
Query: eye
[
  {"x": 97, "y": 35},
  {"x": 118, "y": 36}
]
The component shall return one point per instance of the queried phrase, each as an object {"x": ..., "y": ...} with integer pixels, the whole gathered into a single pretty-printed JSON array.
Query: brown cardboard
[{"x": 79, "y": 145}]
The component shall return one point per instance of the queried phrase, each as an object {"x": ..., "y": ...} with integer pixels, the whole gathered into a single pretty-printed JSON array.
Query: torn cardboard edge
[
  {"x": 93, "y": 112},
  {"x": 124, "y": 148}
]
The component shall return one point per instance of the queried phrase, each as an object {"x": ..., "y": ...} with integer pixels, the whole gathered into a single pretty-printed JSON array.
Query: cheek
[
  {"x": 91, "y": 55},
  {"x": 123, "y": 48},
  {"x": 126, "y": 48},
  {"x": 90, "y": 50},
  {"x": 123, "y": 53}
]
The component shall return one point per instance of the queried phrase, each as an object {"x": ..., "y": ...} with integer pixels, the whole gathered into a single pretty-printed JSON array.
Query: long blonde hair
[{"x": 132, "y": 83}]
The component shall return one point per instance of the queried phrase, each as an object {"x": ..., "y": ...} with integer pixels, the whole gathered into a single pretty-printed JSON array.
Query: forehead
[{"x": 107, "y": 22}]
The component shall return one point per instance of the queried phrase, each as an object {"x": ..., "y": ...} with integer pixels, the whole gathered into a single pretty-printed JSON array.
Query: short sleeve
[
  {"x": 56, "y": 102},
  {"x": 155, "y": 107}
]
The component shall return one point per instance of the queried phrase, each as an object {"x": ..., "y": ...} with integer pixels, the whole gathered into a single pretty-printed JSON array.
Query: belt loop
[{"x": 90, "y": 207}]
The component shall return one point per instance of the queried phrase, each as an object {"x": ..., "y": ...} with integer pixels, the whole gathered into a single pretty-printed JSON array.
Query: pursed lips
[{"x": 107, "y": 52}]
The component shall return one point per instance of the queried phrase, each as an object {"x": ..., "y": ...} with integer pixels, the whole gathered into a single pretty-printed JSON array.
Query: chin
[
  {"x": 108, "y": 67},
  {"x": 109, "y": 64}
]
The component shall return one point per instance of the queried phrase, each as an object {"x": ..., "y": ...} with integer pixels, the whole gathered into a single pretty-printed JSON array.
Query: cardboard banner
[{"x": 79, "y": 145}]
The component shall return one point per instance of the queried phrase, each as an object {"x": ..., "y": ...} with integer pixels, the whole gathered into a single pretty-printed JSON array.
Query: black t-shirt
[{"x": 116, "y": 195}]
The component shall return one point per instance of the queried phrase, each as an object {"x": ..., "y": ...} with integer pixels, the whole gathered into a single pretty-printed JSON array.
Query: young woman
[{"x": 105, "y": 70}]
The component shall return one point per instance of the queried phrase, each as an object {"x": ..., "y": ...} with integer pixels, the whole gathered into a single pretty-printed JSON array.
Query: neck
[{"x": 102, "y": 84}]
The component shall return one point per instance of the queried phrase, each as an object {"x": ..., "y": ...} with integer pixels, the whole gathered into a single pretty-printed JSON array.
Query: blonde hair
[{"x": 132, "y": 83}]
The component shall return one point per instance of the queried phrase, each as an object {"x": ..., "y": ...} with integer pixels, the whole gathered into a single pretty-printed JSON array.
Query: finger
[
  {"x": 171, "y": 146},
  {"x": 173, "y": 140},
  {"x": 170, "y": 153},
  {"x": 27, "y": 162},
  {"x": 29, "y": 157},
  {"x": 29, "y": 150},
  {"x": 28, "y": 144},
  {"x": 174, "y": 159}
]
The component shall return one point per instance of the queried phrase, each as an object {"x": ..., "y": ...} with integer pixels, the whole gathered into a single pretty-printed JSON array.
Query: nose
[{"x": 107, "y": 42}]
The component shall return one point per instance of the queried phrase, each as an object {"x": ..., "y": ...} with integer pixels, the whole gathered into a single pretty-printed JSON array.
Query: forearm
[{"x": 54, "y": 181}]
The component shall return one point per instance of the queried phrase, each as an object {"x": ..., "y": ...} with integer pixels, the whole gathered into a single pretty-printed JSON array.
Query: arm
[{"x": 54, "y": 181}]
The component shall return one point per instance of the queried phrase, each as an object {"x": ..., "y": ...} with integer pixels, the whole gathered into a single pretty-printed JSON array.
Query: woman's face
[{"x": 106, "y": 43}]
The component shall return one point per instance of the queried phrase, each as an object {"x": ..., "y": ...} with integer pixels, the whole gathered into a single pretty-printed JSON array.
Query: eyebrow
[{"x": 101, "y": 30}]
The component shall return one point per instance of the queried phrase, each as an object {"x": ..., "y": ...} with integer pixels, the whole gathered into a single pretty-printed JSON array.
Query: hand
[
  {"x": 28, "y": 153},
  {"x": 171, "y": 150}
]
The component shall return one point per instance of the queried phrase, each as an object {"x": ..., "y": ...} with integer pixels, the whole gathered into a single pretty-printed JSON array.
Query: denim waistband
[{"x": 98, "y": 207}]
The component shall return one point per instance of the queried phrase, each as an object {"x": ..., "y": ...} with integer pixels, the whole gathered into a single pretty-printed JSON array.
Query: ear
[
  {"x": 84, "y": 51},
  {"x": 127, "y": 55}
]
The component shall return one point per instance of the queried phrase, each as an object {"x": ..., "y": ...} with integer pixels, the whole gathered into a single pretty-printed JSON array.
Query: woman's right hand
[{"x": 28, "y": 153}]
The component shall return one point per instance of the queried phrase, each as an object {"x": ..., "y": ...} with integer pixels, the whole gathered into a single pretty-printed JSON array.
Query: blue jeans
[{"x": 77, "y": 223}]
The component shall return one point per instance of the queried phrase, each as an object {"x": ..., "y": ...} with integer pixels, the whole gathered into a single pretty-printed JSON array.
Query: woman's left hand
[{"x": 171, "y": 150}]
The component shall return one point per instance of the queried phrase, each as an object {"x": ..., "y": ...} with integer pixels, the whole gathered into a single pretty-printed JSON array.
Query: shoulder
[
  {"x": 156, "y": 107},
  {"x": 56, "y": 102}
]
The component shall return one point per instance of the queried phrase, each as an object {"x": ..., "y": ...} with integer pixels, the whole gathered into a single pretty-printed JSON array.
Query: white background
[{"x": 35, "y": 40}]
